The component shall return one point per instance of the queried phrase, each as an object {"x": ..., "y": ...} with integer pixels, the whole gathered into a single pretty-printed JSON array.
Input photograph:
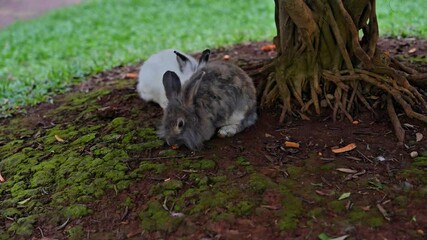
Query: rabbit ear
[
  {"x": 182, "y": 60},
  {"x": 172, "y": 84},
  {"x": 193, "y": 87},
  {"x": 204, "y": 58}
]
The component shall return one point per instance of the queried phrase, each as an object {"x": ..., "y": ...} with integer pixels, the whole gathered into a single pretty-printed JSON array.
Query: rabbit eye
[{"x": 180, "y": 123}]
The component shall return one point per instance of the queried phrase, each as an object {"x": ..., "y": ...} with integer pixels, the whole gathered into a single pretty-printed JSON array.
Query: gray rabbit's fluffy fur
[{"x": 218, "y": 96}]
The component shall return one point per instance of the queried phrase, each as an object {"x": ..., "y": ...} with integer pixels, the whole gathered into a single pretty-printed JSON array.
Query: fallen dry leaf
[
  {"x": 291, "y": 144},
  {"x": 2, "y": 178},
  {"x": 344, "y": 196},
  {"x": 383, "y": 212},
  {"x": 59, "y": 139},
  {"x": 366, "y": 208},
  {"x": 131, "y": 75},
  {"x": 412, "y": 50},
  {"x": 268, "y": 48},
  {"x": 174, "y": 147},
  {"x": 268, "y": 135},
  {"x": 346, "y": 170},
  {"x": 24, "y": 201},
  {"x": 418, "y": 137},
  {"x": 340, "y": 238},
  {"x": 347, "y": 148},
  {"x": 271, "y": 207},
  {"x": 353, "y": 158},
  {"x": 133, "y": 233},
  {"x": 420, "y": 231}
]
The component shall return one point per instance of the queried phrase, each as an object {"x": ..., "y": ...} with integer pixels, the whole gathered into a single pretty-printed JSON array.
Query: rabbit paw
[{"x": 228, "y": 131}]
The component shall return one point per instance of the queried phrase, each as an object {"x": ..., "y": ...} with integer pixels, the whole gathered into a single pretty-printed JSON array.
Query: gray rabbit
[{"x": 219, "y": 95}]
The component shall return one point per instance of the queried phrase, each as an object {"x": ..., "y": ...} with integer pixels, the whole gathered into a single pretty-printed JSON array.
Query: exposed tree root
[
  {"x": 321, "y": 57},
  {"x": 400, "y": 133}
]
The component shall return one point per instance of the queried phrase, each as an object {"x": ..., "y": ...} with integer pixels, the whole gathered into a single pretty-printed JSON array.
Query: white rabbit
[{"x": 150, "y": 80}]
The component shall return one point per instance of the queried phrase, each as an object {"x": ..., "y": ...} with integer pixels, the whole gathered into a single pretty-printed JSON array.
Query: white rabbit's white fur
[{"x": 150, "y": 85}]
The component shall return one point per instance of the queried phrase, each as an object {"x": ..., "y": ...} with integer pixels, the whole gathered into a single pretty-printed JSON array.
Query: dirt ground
[
  {"x": 246, "y": 187},
  {"x": 17, "y": 10}
]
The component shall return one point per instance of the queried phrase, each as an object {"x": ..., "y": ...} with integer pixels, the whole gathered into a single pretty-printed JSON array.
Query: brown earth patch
[{"x": 257, "y": 189}]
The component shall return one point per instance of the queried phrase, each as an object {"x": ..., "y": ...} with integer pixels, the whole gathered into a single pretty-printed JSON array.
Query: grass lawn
[{"x": 42, "y": 57}]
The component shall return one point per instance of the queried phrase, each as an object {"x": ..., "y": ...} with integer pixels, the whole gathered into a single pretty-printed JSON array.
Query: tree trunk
[{"x": 327, "y": 55}]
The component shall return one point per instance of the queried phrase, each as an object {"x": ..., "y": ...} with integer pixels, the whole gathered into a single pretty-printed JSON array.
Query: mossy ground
[{"x": 93, "y": 160}]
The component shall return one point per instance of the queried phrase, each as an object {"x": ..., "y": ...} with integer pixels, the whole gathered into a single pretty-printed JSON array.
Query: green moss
[
  {"x": 199, "y": 179},
  {"x": 172, "y": 184},
  {"x": 203, "y": 164},
  {"x": 420, "y": 162},
  {"x": 294, "y": 171},
  {"x": 218, "y": 179},
  {"x": 99, "y": 150},
  {"x": 154, "y": 217},
  {"x": 149, "y": 144},
  {"x": 357, "y": 214},
  {"x": 128, "y": 202},
  {"x": 152, "y": 167},
  {"x": 423, "y": 192},
  {"x": 70, "y": 173},
  {"x": 10, "y": 212},
  {"x": 120, "y": 125},
  {"x": 41, "y": 178},
  {"x": 191, "y": 192},
  {"x": 242, "y": 208},
  {"x": 65, "y": 132},
  {"x": 242, "y": 161},
  {"x": 315, "y": 212},
  {"x": 122, "y": 185},
  {"x": 209, "y": 200},
  {"x": 402, "y": 201},
  {"x": 375, "y": 221},
  {"x": 328, "y": 166},
  {"x": 76, "y": 211},
  {"x": 336, "y": 206},
  {"x": 115, "y": 156},
  {"x": 223, "y": 216},
  {"x": 259, "y": 183},
  {"x": 291, "y": 210},
  {"x": 14, "y": 162},
  {"x": 23, "y": 226},
  {"x": 79, "y": 99},
  {"x": 415, "y": 173},
  {"x": 83, "y": 140},
  {"x": 168, "y": 153},
  {"x": 75, "y": 233}
]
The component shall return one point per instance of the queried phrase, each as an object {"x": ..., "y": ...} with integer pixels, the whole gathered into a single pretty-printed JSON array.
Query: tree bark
[{"x": 327, "y": 51}]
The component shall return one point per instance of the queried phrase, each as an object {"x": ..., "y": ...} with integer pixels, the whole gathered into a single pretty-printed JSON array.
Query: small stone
[
  {"x": 414, "y": 154},
  {"x": 267, "y": 135},
  {"x": 406, "y": 186},
  {"x": 418, "y": 137}
]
